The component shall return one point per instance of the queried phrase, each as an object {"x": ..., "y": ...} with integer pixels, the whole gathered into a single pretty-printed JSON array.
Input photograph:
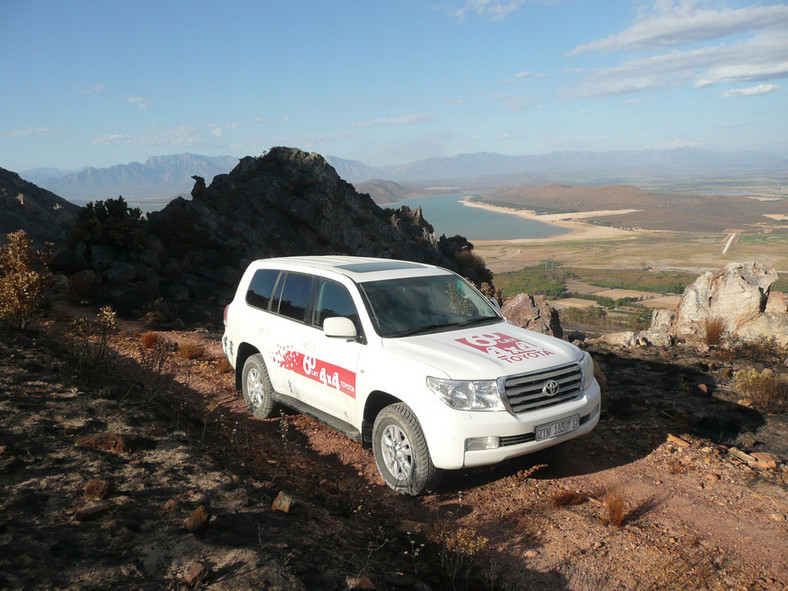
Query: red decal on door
[
  {"x": 505, "y": 347},
  {"x": 328, "y": 374}
]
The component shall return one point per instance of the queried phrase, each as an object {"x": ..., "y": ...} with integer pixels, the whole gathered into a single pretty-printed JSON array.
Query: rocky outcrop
[
  {"x": 287, "y": 202},
  {"x": 740, "y": 295},
  {"x": 23, "y": 206},
  {"x": 534, "y": 313}
]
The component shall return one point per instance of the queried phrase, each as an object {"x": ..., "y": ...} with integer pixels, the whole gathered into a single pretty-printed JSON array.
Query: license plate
[{"x": 557, "y": 428}]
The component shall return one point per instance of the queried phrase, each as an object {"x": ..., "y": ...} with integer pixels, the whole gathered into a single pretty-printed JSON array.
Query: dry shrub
[
  {"x": 714, "y": 328},
  {"x": 224, "y": 365},
  {"x": 191, "y": 351},
  {"x": 23, "y": 279},
  {"x": 765, "y": 390},
  {"x": 567, "y": 497},
  {"x": 149, "y": 340},
  {"x": 616, "y": 506},
  {"x": 765, "y": 350}
]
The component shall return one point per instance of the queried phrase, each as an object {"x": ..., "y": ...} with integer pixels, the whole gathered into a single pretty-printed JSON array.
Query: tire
[
  {"x": 401, "y": 453},
  {"x": 256, "y": 386}
]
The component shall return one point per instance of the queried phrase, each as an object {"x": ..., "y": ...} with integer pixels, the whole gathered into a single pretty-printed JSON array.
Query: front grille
[{"x": 527, "y": 392}]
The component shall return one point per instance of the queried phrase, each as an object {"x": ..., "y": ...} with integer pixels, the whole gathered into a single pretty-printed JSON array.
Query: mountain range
[{"x": 164, "y": 177}]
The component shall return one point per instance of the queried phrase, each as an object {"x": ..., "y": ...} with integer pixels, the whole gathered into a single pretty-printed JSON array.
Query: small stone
[
  {"x": 748, "y": 441},
  {"x": 711, "y": 477},
  {"x": 195, "y": 574},
  {"x": 358, "y": 583},
  {"x": 703, "y": 390},
  {"x": 675, "y": 440},
  {"x": 198, "y": 520},
  {"x": 170, "y": 505},
  {"x": 778, "y": 517},
  {"x": 531, "y": 554},
  {"x": 3, "y": 450},
  {"x": 93, "y": 512},
  {"x": 96, "y": 489},
  {"x": 740, "y": 455},
  {"x": 764, "y": 460},
  {"x": 283, "y": 502}
]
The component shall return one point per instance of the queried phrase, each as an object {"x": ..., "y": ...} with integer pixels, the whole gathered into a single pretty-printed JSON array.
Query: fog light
[{"x": 478, "y": 443}]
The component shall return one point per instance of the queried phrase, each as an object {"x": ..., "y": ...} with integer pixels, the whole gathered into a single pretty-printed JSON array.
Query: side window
[
  {"x": 296, "y": 296},
  {"x": 261, "y": 287},
  {"x": 333, "y": 300}
]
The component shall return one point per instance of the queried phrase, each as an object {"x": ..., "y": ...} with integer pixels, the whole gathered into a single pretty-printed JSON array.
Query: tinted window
[
  {"x": 296, "y": 295},
  {"x": 261, "y": 287},
  {"x": 334, "y": 300}
]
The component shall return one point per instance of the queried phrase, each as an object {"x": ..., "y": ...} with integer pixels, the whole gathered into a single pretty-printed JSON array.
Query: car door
[
  {"x": 290, "y": 306},
  {"x": 332, "y": 362}
]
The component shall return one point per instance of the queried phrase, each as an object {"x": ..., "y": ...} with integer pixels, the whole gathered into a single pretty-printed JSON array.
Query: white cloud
[
  {"x": 682, "y": 24},
  {"x": 528, "y": 74},
  {"x": 139, "y": 101},
  {"x": 92, "y": 89},
  {"x": 752, "y": 91},
  {"x": 218, "y": 130},
  {"x": 115, "y": 138},
  {"x": 493, "y": 9},
  {"x": 513, "y": 102},
  {"x": 33, "y": 132},
  {"x": 413, "y": 119}
]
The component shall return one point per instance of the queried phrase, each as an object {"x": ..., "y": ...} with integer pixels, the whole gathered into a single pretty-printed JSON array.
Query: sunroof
[{"x": 379, "y": 266}]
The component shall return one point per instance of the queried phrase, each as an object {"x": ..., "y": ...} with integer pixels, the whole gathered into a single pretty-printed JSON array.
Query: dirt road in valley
[{"x": 694, "y": 516}]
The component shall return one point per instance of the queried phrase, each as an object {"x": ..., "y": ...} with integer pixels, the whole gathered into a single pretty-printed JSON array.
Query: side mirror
[{"x": 339, "y": 327}]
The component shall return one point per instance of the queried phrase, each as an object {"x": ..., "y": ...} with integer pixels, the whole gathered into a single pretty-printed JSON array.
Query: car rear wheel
[
  {"x": 257, "y": 389},
  {"x": 401, "y": 453}
]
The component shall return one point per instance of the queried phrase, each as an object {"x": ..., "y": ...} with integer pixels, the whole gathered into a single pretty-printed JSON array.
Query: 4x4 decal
[
  {"x": 505, "y": 347},
  {"x": 328, "y": 374}
]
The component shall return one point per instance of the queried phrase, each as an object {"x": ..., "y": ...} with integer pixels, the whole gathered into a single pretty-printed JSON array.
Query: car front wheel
[
  {"x": 401, "y": 453},
  {"x": 257, "y": 389}
]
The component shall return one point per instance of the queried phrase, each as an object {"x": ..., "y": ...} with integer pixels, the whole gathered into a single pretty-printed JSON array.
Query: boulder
[
  {"x": 740, "y": 294},
  {"x": 534, "y": 313},
  {"x": 617, "y": 339}
]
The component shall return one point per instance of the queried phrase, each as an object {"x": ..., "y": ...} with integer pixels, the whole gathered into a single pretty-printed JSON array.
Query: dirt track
[{"x": 694, "y": 516}]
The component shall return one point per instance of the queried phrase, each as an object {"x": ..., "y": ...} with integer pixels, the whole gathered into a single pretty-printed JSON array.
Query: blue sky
[{"x": 97, "y": 83}]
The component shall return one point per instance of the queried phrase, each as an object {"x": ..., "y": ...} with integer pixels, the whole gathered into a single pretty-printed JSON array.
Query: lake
[{"x": 448, "y": 216}]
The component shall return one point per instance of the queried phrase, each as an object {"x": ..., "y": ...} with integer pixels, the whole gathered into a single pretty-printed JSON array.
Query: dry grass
[
  {"x": 191, "y": 351},
  {"x": 714, "y": 328},
  {"x": 567, "y": 497},
  {"x": 149, "y": 340},
  {"x": 616, "y": 506}
]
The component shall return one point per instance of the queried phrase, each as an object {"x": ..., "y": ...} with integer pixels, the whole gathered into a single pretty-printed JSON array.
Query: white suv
[{"x": 407, "y": 357}]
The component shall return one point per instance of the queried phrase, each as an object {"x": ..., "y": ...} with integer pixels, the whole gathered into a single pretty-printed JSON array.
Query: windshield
[{"x": 418, "y": 305}]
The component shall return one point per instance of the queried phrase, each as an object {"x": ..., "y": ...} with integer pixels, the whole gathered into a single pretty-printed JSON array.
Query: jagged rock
[
  {"x": 284, "y": 502},
  {"x": 534, "y": 313},
  {"x": 96, "y": 489},
  {"x": 740, "y": 295},
  {"x": 655, "y": 338},
  {"x": 662, "y": 320},
  {"x": 93, "y": 511}
]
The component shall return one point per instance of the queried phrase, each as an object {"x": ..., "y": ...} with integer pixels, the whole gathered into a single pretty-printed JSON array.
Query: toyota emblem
[{"x": 550, "y": 388}]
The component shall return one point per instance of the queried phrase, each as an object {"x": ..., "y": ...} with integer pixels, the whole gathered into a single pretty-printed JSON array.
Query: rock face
[
  {"x": 534, "y": 313},
  {"x": 739, "y": 294}
]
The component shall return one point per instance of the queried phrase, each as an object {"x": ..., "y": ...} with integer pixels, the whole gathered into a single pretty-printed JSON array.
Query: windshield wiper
[{"x": 409, "y": 332}]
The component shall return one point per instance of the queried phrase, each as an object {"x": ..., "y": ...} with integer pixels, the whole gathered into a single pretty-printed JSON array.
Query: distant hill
[
  {"x": 610, "y": 167},
  {"x": 159, "y": 177},
  {"x": 385, "y": 192},
  {"x": 24, "y": 206}
]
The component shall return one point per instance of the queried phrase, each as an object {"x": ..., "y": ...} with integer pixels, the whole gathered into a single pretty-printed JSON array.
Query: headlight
[
  {"x": 467, "y": 395},
  {"x": 587, "y": 365}
]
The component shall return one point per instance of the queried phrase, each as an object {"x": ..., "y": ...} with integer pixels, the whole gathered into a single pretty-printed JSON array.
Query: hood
[{"x": 486, "y": 352}]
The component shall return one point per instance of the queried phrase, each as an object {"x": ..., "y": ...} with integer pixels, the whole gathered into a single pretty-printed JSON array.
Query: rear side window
[
  {"x": 261, "y": 288},
  {"x": 296, "y": 296}
]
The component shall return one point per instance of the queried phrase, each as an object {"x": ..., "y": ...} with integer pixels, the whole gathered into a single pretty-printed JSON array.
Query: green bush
[
  {"x": 24, "y": 274},
  {"x": 547, "y": 280},
  {"x": 110, "y": 222}
]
